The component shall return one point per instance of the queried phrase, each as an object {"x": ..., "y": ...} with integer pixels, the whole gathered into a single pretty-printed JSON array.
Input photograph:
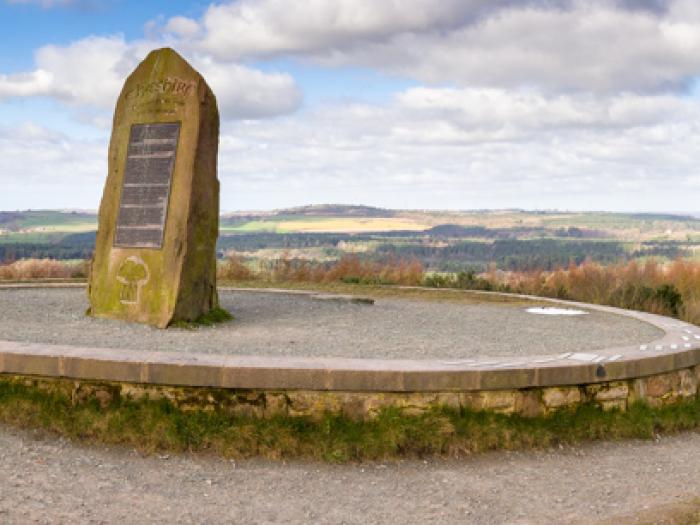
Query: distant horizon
[{"x": 94, "y": 211}]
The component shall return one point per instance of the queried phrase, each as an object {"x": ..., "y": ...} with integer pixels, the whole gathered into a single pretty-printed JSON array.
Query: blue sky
[
  {"x": 29, "y": 26},
  {"x": 459, "y": 104}
]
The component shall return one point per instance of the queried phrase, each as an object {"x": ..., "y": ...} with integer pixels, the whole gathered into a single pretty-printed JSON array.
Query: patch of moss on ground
[
  {"x": 212, "y": 317},
  {"x": 151, "y": 426}
]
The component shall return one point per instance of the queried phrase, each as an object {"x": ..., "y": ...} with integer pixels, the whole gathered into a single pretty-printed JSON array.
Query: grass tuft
[
  {"x": 214, "y": 316},
  {"x": 158, "y": 425}
]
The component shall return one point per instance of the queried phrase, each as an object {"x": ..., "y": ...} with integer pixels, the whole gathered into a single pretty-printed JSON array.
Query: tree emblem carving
[{"x": 132, "y": 275}]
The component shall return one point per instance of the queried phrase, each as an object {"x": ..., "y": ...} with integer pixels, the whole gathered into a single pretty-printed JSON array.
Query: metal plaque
[{"x": 150, "y": 161}]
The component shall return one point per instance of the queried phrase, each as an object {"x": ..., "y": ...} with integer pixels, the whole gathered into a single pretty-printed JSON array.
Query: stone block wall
[{"x": 657, "y": 390}]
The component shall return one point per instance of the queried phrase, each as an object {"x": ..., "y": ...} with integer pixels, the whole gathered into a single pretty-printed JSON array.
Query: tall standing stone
[{"x": 155, "y": 257}]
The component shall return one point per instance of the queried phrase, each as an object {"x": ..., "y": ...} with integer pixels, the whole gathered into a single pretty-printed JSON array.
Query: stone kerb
[{"x": 661, "y": 372}]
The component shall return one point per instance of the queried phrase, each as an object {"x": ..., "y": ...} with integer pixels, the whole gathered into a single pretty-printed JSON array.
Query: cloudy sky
[{"x": 461, "y": 104}]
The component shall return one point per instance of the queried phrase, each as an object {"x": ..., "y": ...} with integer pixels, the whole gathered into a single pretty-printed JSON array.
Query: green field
[
  {"x": 441, "y": 240},
  {"x": 328, "y": 225},
  {"x": 47, "y": 220}
]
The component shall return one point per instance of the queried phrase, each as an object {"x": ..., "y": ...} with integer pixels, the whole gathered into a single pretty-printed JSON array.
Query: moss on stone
[{"x": 182, "y": 279}]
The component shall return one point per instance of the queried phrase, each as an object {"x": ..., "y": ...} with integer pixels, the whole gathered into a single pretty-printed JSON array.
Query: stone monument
[{"x": 155, "y": 256}]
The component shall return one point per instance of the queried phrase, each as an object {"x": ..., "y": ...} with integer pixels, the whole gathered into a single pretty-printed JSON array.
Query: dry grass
[
  {"x": 668, "y": 289},
  {"x": 664, "y": 288},
  {"x": 234, "y": 269},
  {"x": 350, "y": 269},
  {"x": 333, "y": 225},
  {"x": 351, "y": 225},
  {"x": 27, "y": 269}
]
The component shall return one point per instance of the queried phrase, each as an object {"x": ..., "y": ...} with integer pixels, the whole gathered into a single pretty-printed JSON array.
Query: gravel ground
[
  {"x": 297, "y": 325},
  {"x": 44, "y": 479}
]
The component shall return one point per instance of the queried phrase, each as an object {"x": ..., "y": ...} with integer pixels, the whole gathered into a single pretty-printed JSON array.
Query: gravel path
[
  {"x": 296, "y": 325},
  {"x": 44, "y": 479}
]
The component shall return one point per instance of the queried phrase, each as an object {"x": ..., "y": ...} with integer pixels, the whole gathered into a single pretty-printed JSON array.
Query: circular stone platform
[
  {"x": 308, "y": 353},
  {"x": 317, "y": 325}
]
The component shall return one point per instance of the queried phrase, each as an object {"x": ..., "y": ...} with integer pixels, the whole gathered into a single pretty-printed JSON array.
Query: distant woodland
[{"x": 440, "y": 241}]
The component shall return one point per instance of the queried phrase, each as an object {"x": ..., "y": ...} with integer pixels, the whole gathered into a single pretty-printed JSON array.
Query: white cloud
[
  {"x": 589, "y": 45},
  {"x": 429, "y": 147},
  {"x": 88, "y": 72},
  {"x": 40, "y": 167},
  {"x": 30, "y": 84},
  {"x": 242, "y": 92},
  {"x": 182, "y": 26},
  {"x": 265, "y": 27},
  {"x": 91, "y": 72},
  {"x": 589, "y": 48},
  {"x": 528, "y": 111},
  {"x": 471, "y": 148},
  {"x": 31, "y": 133}
]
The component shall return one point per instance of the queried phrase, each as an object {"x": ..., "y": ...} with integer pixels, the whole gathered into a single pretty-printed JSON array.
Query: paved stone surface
[
  {"x": 44, "y": 479},
  {"x": 297, "y": 325}
]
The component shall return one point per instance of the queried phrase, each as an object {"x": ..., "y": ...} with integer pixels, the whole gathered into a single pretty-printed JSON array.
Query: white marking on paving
[
  {"x": 659, "y": 347},
  {"x": 687, "y": 331},
  {"x": 674, "y": 346},
  {"x": 550, "y": 310},
  {"x": 599, "y": 359},
  {"x": 580, "y": 356},
  {"x": 685, "y": 338},
  {"x": 547, "y": 360},
  {"x": 688, "y": 345},
  {"x": 459, "y": 362},
  {"x": 643, "y": 347},
  {"x": 564, "y": 356},
  {"x": 615, "y": 357},
  {"x": 696, "y": 336}
]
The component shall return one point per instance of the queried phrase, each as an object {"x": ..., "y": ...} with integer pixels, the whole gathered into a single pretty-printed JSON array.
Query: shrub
[
  {"x": 25, "y": 269},
  {"x": 233, "y": 268},
  {"x": 439, "y": 280},
  {"x": 653, "y": 287},
  {"x": 669, "y": 297}
]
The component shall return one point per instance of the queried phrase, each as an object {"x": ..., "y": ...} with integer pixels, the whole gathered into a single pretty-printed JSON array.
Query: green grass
[
  {"x": 214, "y": 316},
  {"x": 151, "y": 426},
  {"x": 618, "y": 221},
  {"x": 54, "y": 219},
  {"x": 31, "y": 237}
]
